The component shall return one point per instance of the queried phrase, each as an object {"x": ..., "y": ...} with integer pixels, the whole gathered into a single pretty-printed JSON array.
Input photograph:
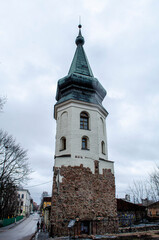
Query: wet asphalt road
[{"x": 22, "y": 231}]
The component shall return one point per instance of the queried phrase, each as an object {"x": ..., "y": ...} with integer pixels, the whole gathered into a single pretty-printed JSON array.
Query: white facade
[
  {"x": 24, "y": 206},
  {"x": 67, "y": 115}
]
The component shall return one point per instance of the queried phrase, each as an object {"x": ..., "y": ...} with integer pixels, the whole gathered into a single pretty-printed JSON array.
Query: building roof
[
  {"x": 23, "y": 190},
  {"x": 128, "y": 206},
  {"x": 80, "y": 84},
  {"x": 47, "y": 199},
  {"x": 80, "y": 62},
  {"x": 154, "y": 205}
]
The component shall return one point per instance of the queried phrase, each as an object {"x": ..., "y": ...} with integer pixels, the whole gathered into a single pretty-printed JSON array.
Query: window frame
[
  {"x": 84, "y": 120},
  {"x": 85, "y": 143},
  {"x": 63, "y": 143},
  {"x": 103, "y": 147}
]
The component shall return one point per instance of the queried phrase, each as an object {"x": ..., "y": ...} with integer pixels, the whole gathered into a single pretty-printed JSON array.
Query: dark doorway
[{"x": 85, "y": 227}]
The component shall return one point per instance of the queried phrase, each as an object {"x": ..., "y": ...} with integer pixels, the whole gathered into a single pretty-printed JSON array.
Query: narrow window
[
  {"x": 101, "y": 126},
  {"x": 22, "y": 195},
  {"x": 85, "y": 143},
  {"x": 84, "y": 120},
  {"x": 96, "y": 163},
  {"x": 103, "y": 147},
  {"x": 63, "y": 143}
]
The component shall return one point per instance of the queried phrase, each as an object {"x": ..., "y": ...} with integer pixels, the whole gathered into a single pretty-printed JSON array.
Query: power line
[{"x": 38, "y": 184}]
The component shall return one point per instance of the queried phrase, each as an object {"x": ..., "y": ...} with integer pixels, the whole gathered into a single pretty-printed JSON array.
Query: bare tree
[
  {"x": 154, "y": 179},
  {"x": 2, "y": 102},
  {"x": 14, "y": 169},
  {"x": 138, "y": 191},
  {"x": 13, "y": 160},
  {"x": 146, "y": 190},
  {"x": 8, "y": 200}
]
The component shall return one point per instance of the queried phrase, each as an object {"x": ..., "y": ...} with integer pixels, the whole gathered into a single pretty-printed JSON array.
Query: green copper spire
[
  {"x": 80, "y": 84},
  {"x": 80, "y": 62}
]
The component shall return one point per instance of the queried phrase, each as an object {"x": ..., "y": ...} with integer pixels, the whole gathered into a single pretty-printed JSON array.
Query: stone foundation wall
[{"x": 80, "y": 194}]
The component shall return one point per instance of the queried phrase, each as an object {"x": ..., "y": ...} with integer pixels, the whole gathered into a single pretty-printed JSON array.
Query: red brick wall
[{"x": 86, "y": 195}]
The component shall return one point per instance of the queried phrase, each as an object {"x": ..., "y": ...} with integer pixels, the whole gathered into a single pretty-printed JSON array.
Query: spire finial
[
  {"x": 79, "y": 26},
  {"x": 80, "y": 38}
]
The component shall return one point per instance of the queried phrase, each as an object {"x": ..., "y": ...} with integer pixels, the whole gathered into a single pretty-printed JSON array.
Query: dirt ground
[{"x": 152, "y": 234}]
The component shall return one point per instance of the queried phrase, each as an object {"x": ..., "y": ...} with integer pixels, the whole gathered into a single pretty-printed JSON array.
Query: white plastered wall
[{"x": 68, "y": 126}]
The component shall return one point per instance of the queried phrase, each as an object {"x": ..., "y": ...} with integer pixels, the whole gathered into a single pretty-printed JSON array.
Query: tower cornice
[{"x": 66, "y": 103}]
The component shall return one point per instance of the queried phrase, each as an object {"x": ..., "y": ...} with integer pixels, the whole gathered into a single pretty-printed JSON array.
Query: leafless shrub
[{"x": 14, "y": 170}]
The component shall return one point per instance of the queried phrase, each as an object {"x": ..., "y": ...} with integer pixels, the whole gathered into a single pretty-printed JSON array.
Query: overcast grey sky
[{"x": 122, "y": 45}]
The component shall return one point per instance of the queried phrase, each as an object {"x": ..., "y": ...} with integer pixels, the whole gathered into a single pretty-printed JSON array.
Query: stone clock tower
[{"x": 83, "y": 183}]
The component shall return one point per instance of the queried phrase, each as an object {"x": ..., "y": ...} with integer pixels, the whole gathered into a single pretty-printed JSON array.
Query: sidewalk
[
  {"x": 42, "y": 236},
  {"x": 2, "y": 229}
]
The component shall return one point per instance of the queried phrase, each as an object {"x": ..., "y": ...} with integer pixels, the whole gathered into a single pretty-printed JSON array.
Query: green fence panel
[
  {"x": 8, "y": 221},
  {"x": 19, "y": 218}
]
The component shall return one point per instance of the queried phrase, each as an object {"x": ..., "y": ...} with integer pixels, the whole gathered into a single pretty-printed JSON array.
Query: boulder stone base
[{"x": 85, "y": 197}]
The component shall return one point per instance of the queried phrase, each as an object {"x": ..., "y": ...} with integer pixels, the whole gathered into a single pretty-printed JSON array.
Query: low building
[
  {"x": 46, "y": 202},
  {"x": 46, "y": 211},
  {"x": 153, "y": 211},
  {"x": 24, "y": 204},
  {"x": 130, "y": 213},
  {"x": 31, "y": 206}
]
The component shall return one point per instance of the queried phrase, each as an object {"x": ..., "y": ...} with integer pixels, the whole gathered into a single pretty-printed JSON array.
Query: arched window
[
  {"x": 63, "y": 143},
  {"x": 84, "y": 120},
  {"x": 85, "y": 143},
  {"x": 101, "y": 126},
  {"x": 103, "y": 147}
]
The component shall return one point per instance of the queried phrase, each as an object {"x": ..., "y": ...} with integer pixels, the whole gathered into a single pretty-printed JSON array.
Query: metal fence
[{"x": 8, "y": 221}]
